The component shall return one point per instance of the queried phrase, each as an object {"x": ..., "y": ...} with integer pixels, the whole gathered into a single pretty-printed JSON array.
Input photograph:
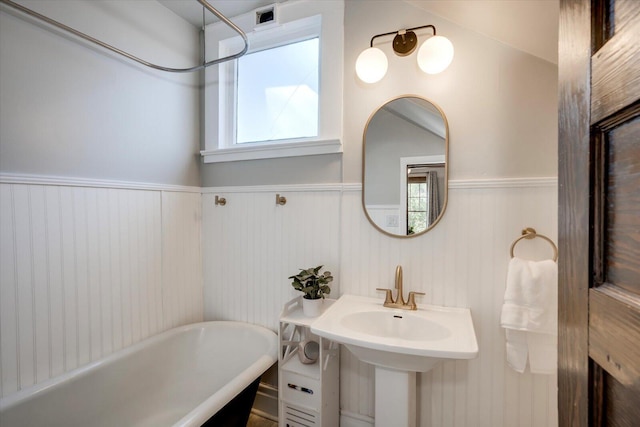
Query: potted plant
[{"x": 314, "y": 285}]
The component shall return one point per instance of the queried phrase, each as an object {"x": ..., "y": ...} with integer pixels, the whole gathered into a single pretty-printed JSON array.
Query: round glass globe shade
[
  {"x": 371, "y": 65},
  {"x": 435, "y": 55}
]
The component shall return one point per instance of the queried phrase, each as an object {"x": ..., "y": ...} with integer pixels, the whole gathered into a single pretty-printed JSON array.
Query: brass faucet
[{"x": 399, "y": 301}]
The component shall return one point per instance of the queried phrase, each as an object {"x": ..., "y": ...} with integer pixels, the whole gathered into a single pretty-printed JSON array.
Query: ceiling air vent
[{"x": 266, "y": 16}]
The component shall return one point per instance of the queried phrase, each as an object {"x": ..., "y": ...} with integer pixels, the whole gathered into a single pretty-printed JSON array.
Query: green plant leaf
[{"x": 311, "y": 282}]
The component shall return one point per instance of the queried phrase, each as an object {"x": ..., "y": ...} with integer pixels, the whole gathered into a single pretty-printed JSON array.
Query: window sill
[{"x": 272, "y": 151}]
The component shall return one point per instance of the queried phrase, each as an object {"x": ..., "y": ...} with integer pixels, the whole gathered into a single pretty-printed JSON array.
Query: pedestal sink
[{"x": 399, "y": 343}]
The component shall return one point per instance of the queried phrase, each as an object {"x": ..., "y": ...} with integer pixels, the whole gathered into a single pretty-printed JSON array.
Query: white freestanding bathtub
[{"x": 180, "y": 377}]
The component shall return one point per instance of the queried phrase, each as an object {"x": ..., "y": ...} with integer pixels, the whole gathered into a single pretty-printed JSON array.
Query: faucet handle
[
  {"x": 388, "y": 299},
  {"x": 412, "y": 300}
]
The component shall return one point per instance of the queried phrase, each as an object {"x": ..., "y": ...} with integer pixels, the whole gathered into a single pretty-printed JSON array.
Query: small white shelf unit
[{"x": 308, "y": 393}]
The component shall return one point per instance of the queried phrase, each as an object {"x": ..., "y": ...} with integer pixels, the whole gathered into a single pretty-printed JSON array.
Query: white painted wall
[
  {"x": 69, "y": 109},
  {"x": 501, "y": 103}
]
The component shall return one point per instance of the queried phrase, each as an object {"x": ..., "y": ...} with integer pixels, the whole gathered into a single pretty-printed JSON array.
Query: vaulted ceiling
[{"x": 527, "y": 25}]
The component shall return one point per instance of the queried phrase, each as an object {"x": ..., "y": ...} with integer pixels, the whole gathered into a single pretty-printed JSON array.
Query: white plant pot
[{"x": 312, "y": 307}]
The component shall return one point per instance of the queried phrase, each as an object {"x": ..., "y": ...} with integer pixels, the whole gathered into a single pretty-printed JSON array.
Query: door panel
[
  {"x": 622, "y": 253},
  {"x": 620, "y": 402},
  {"x": 614, "y": 67},
  {"x": 614, "y": 333},
  {"x": 600, "y": 171},
  {"x": 614, "y": 298}
]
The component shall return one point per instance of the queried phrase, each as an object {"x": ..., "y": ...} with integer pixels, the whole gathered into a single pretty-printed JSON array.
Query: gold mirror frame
[{"x": 446, "y": 168}]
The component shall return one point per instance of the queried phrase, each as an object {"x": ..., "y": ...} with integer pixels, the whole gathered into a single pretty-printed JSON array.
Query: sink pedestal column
[{"x": 395, "y": 398}]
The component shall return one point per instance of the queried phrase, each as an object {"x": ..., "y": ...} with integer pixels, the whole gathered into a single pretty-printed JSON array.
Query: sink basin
[
  {"x": 403, "y": 340},
  {"x": 391, "y": 325}
]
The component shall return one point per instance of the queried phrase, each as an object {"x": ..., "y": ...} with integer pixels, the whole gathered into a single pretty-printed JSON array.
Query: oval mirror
[{"x": 404, "y": 166}]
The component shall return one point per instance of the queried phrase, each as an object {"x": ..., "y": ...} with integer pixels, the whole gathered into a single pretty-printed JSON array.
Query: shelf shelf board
[
  {"x": 294, "y": 365},
  {"x": 293, "y": 312}
]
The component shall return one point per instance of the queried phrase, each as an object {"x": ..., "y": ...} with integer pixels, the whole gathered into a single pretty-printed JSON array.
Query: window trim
[
  {"x": 296, "y": 20},
  {"x": 296, "y": 31},
  {"x": 272, "y": 150}
]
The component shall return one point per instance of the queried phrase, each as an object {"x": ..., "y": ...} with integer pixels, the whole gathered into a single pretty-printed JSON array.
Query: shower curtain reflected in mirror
[{"x": 433, "y": 199}]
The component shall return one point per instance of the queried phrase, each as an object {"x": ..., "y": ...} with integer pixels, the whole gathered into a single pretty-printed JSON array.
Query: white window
[
  {"x": 277, "y": 93},
  {"x": 284, "y": 97}
]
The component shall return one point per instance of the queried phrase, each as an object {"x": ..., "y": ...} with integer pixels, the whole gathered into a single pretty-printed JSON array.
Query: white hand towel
[
  {"x": 517, "y": 349},
  {"x": 531, "y": 305},
  {"x": 543, "y": 353}
]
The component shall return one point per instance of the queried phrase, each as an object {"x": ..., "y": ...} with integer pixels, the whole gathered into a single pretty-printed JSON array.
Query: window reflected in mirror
[{"x": 424, "y": 200}]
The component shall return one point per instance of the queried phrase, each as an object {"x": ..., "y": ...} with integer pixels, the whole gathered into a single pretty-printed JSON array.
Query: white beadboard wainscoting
[
  {"x": 90, "y": 267},
  {"x": 251, "y": 246},
  {"x": 462, "y": 262}
]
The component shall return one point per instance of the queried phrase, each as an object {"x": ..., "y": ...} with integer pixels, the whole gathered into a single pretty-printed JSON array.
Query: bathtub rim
[{"x": 199, "y": 412}]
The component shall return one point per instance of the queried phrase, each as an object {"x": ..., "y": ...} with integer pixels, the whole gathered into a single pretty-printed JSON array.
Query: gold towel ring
[{"x": 530, "y": 233}]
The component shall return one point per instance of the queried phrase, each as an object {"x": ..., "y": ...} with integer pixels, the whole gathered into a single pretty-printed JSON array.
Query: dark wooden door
[{"x": 599, "y": 222}]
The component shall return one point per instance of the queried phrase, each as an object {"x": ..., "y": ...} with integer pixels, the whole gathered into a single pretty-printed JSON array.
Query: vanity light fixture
[{"x": 434, "y": 56}]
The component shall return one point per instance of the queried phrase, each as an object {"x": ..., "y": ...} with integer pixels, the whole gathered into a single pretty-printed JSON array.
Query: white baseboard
[
  {"x": 265, "y": 404},
  {"x": 264, "y": 415}
]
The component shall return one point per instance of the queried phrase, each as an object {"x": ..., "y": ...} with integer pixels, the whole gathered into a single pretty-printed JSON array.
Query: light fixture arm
[{"x": 398, "y": 32}]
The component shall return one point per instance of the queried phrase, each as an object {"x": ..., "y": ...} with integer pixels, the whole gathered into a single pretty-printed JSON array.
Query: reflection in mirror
[{"x": 405, "y": 166}]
